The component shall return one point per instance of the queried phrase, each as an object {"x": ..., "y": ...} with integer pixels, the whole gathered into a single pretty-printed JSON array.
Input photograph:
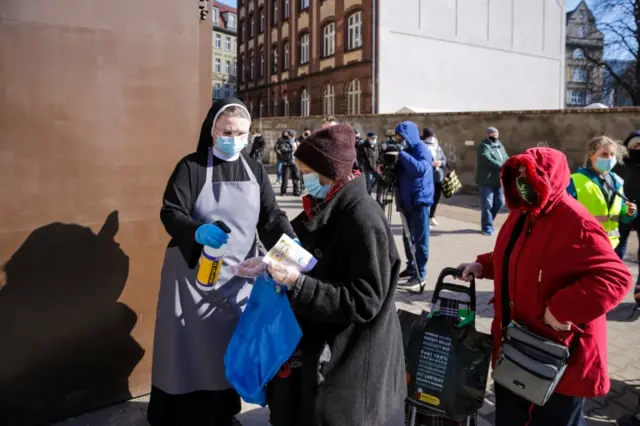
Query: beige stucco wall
[
  {"x": 460, "y": 133},
  {"x": 224, "y": 55}
]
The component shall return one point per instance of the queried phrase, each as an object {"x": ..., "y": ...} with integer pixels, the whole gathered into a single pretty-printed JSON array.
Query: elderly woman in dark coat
[{"x": 349, "y": 367}]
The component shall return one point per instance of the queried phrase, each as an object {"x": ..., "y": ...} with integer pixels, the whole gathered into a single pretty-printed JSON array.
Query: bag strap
[
  {"x": 515, "y": 235},
  {"x": 577, "y": 335},
  {"x": 616, "y": 192}
]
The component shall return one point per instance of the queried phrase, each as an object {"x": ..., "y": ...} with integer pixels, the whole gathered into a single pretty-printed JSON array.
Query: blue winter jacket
[{"x": 414, "y": 171}]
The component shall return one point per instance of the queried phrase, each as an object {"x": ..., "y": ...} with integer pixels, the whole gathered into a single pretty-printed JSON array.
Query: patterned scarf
[{"x": 311, "y": 206}]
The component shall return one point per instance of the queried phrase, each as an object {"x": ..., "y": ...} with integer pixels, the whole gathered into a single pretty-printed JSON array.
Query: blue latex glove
[{"x": 211, "y": 235}]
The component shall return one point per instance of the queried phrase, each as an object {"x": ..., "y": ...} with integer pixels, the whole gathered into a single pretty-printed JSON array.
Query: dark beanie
[
  {"x": 329, "y": 152},
  {"x": 634, "y": 134},
  {"x": 427, "y": 133}
]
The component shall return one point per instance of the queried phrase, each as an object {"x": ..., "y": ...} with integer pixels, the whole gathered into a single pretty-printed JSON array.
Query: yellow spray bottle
[{"x": 211, "y": 261}]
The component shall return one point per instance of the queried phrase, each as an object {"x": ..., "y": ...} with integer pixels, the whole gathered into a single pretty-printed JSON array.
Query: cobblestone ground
[{"x": 457, "y": 240}]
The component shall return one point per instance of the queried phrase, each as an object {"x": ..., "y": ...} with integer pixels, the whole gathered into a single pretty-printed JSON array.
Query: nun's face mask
[{"x": 231, "y": 134}]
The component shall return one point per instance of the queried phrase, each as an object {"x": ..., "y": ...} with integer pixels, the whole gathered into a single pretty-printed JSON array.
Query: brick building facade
[{"x": 305, "y": 57}]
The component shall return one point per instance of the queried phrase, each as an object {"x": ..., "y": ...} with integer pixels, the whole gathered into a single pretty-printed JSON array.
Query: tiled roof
[{"x": 223, "y": 8}]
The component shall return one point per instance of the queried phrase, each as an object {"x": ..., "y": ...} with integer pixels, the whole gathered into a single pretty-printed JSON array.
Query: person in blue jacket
[{"x": 414, "y": 184}]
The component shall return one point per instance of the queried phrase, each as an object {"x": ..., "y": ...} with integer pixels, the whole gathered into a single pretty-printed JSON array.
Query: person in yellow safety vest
[{"x": 600, "y": 190}]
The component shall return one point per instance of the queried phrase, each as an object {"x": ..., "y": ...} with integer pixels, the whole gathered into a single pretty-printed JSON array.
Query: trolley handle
[{"x": 455, "y": 288}]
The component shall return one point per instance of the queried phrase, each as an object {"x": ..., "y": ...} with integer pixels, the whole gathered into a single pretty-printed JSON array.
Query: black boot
[{"x": 407, "y": 273}]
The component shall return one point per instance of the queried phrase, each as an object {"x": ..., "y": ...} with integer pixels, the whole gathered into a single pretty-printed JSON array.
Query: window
[
  {"x": 218, "y": 41},
  {"x": 227, "y": 43},
  {"x": 232, "y": 21},
  {"x": 354, "y": 32},
  {"x": 577, "y": 97},
  {"x": 328, "y": 100},
  {"x": 285, "y": 102},
  {"x": 252, "y": 26},
  {"x": 579, "y": 75},
  {"x": 353, "y": 97},
  {"x": 274, "y": 59},
  {"x": 285, "y": 56},
  {"x": 218, "y": 65},
  {"x": 227, "y": 90},
  {"x": 580, "y": 31},
  {"x": 275, "y": 12},
  {"x": 578, "y": 54},
  {"x": 241, "y": 76},
  {"x": 329, "y": 40},
  {"x": 234, "y": 68},
  {"x": 260, "y": 107},
  {"x": 216, "y": 16},
  {"x": 251, "y": 108},
  {"x": 286, "y": 9},
  {"x": 232, "y": 90},
  {"x": 275, "y": 107},
  {"x": 261, "y": 72},
  {"x": 304, "y": 103},
  {"x": 261, "y": 20},
  {"x": 217, "y": 94},
  {"x": 304, "y": 4},
  {"x": 241, "y": 32},
  {"x": 227, "y": 67},
  {"x": 252, "y": 67},
  {"x": 304, "y": 49}
]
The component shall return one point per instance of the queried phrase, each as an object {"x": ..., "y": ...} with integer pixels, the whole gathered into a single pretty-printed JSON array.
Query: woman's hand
[
  {"x": 283, "y": 275},
  {"x": 250, "y": 268},
  {"x": 552, "y": 322},
  {"x": 632, "y": 208},
  {"x": 437, "y": 163},
  {"x": 470, "y": 271}
]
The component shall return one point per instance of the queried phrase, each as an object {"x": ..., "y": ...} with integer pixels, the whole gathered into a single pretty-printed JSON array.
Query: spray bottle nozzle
[{"x": 222, "y": 226}]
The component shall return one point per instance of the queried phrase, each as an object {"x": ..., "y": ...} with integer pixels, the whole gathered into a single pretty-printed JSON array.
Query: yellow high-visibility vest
[{"x": 590, "y": 195}]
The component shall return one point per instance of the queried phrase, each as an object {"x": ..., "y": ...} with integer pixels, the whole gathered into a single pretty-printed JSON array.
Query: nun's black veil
[{"x": 206, "y": 140}]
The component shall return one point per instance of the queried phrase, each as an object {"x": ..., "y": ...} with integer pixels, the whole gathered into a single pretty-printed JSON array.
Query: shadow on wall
[{"x": 65, "y": 338}]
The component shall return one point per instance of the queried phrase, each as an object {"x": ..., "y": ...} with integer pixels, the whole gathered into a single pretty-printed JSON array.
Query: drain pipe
[{"x": 374, "y": 32}]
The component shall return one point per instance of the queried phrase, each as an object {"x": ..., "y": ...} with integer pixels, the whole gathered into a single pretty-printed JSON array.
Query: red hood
[{"x": 547, "y": 172}]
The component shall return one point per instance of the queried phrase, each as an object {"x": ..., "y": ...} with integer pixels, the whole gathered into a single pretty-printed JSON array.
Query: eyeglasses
[{"x": 234, "y": 133}]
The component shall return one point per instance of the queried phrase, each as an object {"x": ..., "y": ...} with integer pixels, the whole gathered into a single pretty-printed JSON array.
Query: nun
[{"x": 194, "y": 323}]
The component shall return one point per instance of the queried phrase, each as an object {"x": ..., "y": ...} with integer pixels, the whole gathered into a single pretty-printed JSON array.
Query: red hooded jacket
[{"x": 562, "y": 260}]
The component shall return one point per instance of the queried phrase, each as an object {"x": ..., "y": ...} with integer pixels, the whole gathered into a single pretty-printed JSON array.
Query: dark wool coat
[{"x": 349, "y": 367}]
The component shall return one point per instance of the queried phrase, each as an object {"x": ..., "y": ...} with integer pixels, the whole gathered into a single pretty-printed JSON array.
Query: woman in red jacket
[{"x": 559, "y": 269}]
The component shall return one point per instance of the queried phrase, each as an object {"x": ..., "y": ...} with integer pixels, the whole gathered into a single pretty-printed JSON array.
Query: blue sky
[{"x": 233, "y": 3}]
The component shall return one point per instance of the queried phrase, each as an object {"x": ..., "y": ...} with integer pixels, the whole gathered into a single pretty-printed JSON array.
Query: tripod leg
[{"x": 407, "y": 233}]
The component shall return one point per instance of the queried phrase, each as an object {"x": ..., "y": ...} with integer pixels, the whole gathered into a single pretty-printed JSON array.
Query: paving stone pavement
[{"x": 456, "y": 240}]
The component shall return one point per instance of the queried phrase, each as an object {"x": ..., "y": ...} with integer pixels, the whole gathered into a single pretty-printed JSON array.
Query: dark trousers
[
  {"x": 290, "y": 170},
  {"x": 621, "y": 250},
  {"x": 437, "y": 192},
  {"x": 201, "y": 408},
  {"x": 560, "y": 410},
  {"x": 418, "y": 223}
]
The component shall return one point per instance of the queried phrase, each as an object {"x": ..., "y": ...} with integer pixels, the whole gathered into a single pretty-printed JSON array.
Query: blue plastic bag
[{"x": 264, "y": 339}]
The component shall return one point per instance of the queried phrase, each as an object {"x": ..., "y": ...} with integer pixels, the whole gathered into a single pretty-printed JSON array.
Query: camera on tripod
[{"x": 390, "y": 150}]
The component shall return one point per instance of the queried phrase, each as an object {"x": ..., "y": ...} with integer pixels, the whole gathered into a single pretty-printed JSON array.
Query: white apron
[{"x": 194, "y": 324}]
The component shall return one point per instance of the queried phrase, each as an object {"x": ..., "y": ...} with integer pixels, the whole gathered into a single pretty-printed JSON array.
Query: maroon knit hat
[{"x": 330, "y": 152}]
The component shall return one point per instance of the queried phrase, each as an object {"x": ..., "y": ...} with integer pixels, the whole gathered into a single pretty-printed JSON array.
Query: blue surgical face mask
[
  {"x": 314, "y": 187},
  {"x": 605, "y": 164},
  {"x": 230, "y": 145}
]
